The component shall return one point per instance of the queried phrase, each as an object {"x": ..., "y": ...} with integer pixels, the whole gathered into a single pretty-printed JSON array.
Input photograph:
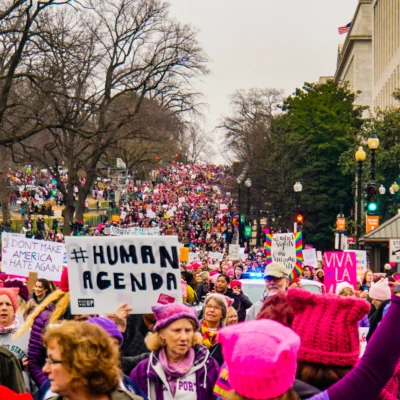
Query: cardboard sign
[
  {"x": 33, "y": 277},
  {"x": 140, "y": 271},
  {"x": 22, "y": 256},
  {"x": 184, "y": 254},
  {"x": 115, "y": 218},
  {"x": 361, "y": 260},
  {"x": 394, "y": 250},
  {"x": 234, "y": 252},
  {"x": 339, "y": 267},
  {"x": 310, "y": 258}
]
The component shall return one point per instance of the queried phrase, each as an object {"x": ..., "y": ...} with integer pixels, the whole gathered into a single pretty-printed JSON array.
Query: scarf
[
  {"x": 174, "y": 371},
  {"x": 5, "y": 330},
  {"x": 209, "y": 338}
]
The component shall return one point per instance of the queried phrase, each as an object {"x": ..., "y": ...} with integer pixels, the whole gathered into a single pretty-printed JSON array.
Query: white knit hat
[{"x": 342, "y": 285}]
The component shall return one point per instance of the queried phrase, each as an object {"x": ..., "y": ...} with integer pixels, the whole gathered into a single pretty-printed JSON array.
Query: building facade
[
  {"x": 386, "y": 51},
  {"x": 355, "y": 61},
  {"x": 369, "y": 59}
]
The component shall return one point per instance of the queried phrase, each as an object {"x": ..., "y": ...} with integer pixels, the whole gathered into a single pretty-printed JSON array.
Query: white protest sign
[
  {"x": 363, "y": 332},
  {"x": 123, "y": 215},
  {"x": 283, "y": 250},
  {"x": 193, "y": 257},
  {"x": 132, "y": 231},
  {"x": 310, "y": 258},
  {"x": 319, "y": 255},
  {"x": 234, "y": 252},
  {"x": 361, "y": 261},
  {"x": 394, "y": 250},
  {"x": 150, "y": 214},
  {"x": 22, "y": 255},
  {"x": 140, "y": 271},
  {"x": 223, "y": 207},
  {"x": 215, "y": 255}
]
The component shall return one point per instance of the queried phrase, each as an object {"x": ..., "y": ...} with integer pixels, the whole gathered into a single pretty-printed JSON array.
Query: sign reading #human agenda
[{"x": 107, "y": 271}]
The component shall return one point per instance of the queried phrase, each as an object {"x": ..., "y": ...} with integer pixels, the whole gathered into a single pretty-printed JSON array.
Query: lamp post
[
  {"x": 373, "y": 144},
  {"x": 241, "y": 225},
  {"x": 298, "y": 188},
  {"x": 360, "y": 158},
  {"x": 248, "y": 185},
  {"x": 393, "y": 191}
]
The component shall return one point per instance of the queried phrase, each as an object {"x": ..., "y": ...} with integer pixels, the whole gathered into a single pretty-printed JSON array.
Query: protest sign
[
  {"x": 215, "y": 255},
  {"x": 363, "y": 332},
  {"x": 339, "y": 267},
  {"x": 115, "y": 218},
  {"x": 193, "y": 257},
  {"x": 22, "y": 256},
  {"x": 123, "y": 215},
  {"x": 223, "y": 207},
  {"x": 234, "y": 252},
  {"x": 285, "y": 248},
  {"x": 132, "y": 231},
  {"x": 319, "y": 256},
  {"x": 310, "y": 258},
  {"x": 361, "y": 260},
  {"x": 184, "y": 254},
  {"x": 140, "y": 271}
]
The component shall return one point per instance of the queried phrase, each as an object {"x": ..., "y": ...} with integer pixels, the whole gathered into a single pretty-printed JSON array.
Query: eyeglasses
[
  {"x": 270, "y": 278},
  {"x": 214, "y": 308},
  {"x": 51, "y": 362}
]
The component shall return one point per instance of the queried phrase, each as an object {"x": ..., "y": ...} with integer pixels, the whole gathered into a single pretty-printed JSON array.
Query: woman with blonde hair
[
  {"x": 178, "y": 367},
  {"x": 231, "y": 317},
  {"x": 53, "y": 308},
  {"x": 82, "y": 363}
]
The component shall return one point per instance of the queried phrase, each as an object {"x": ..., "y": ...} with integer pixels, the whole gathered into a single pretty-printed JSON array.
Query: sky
[{"x": 263, "y": 43}]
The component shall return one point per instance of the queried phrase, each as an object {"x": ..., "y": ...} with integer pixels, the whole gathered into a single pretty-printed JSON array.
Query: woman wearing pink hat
[
  {"x": 267, "y": 368},
  {"x": 178, "y": 367}
]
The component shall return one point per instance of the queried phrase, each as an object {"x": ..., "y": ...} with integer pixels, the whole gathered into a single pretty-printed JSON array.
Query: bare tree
[{"x": 97, "y": 67}]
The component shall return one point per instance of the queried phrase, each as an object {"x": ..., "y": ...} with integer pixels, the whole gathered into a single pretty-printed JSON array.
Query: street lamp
[
  {"x": 248, "y": 184},
  {"x": 373, "y": 144},
  {"x": 395, "y": 187},
  {"x": 360, "y": 158},
  {"x": 382, "y": 190},
  {"x": 241, "y": 225}
]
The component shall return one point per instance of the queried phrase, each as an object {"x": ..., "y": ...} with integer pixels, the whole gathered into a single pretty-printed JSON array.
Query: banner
[
  {"x": 286, "y": 248},
  {"x": 140, "y": 271},
  {"x": 133, "y": 231},
  {"x": 310, "y": 258},
  {"x": 361, "y": 260},
  {"x": 22, "y": 256},
  {"x": 339, "y": 267}
]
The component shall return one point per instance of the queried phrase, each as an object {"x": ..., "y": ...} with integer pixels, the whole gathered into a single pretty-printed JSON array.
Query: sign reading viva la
[
  {"x": 339, "y": 267},
  {"x": 109, "y": 271}
]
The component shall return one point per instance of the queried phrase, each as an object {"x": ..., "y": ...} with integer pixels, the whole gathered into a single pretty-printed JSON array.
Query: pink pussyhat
[{"x": 266, "y": 369}]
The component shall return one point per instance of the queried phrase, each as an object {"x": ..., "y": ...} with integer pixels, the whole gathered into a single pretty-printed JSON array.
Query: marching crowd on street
[{"x": 217, "y": 343}]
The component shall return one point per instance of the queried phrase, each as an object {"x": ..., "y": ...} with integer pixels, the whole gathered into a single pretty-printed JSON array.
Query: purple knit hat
[
  {"x": 109, "y": 326},
  {"x": 169, "y": 313}
]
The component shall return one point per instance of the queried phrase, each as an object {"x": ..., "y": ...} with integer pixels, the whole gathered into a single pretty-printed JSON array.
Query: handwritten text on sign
[
  {"x": 339, "y": 267},
  {"x": 283, "y": 250},
  {"x": 22, "y": 255},
  {"x": 108, "y": 271}
]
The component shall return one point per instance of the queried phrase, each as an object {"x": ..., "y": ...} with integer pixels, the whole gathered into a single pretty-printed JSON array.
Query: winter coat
[
  {"x": 136, "y": 331},
  {"x": 202, "y": 290},
  {"x": 11, "y": 371},
  {"x": 36, "y": 349},
  {"x": 151, "y": 379},
  {"x": 240, "y": 303}
]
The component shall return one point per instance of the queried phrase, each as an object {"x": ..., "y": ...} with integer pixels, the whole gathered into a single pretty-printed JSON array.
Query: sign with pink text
[{"x": 339, "y": 267}]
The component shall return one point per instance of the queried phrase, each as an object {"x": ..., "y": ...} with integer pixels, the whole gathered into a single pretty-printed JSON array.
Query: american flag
[{"x": 344, "y": 29}]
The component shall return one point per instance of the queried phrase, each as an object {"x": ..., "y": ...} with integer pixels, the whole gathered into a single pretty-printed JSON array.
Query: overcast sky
[{"x": 263, "y": 43}]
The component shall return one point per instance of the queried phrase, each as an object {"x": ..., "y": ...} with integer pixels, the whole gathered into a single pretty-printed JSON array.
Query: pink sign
[{"x": 339, "y": 267}]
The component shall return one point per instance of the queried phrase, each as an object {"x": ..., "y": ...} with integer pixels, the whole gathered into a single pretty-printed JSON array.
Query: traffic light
[
  {"x": 299, "y": 219},
  {"x": 371, "y": 200}
]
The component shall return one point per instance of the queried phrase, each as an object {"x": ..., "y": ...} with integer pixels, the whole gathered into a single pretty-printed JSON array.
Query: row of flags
[{"x": 344, "y": 29}]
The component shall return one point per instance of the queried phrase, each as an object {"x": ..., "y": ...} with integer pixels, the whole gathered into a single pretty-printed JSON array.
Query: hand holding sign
[{"x": 120, "y": 317}]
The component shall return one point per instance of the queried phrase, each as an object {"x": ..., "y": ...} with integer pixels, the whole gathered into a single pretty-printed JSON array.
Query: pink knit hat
[
  {"x": 328, "y": 327},
  {"x": 267, "y": 368},
  {"x": 380, "y": 290},
  {"x": 169, "y": 313},
  {"x": 12, "y": 293}
]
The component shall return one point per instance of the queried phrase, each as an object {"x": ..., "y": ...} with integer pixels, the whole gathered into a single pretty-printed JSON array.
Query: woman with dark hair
[
  {"x": 42, "y": 289},
  {"x": 308, "y": 273}
]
